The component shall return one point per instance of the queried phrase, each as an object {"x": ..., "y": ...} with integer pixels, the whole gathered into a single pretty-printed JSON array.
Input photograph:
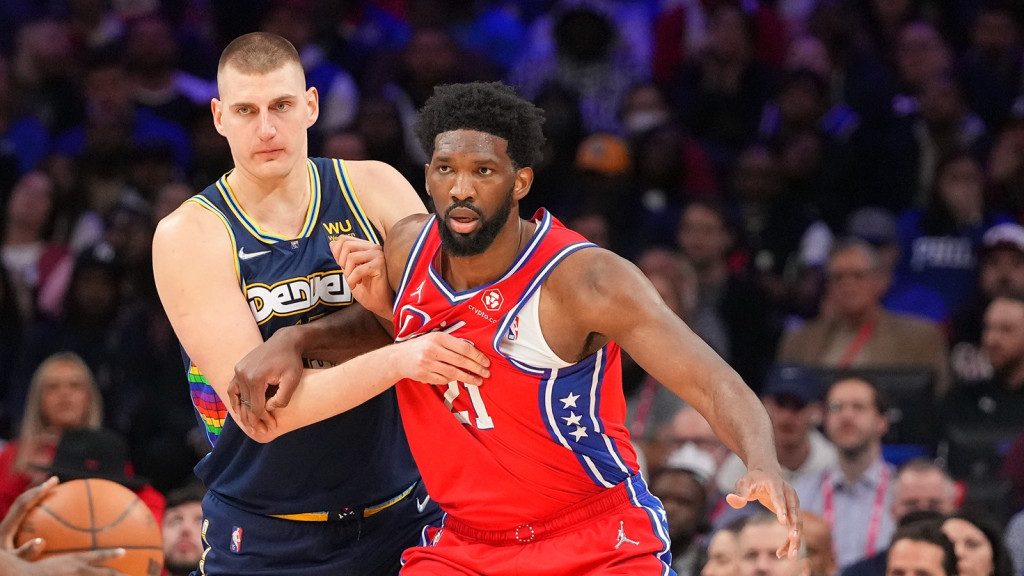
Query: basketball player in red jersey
[{"x": 534, "y": 470}]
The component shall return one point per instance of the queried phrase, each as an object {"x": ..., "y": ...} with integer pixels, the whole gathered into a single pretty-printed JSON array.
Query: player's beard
[{"x": 475, "y": 243}]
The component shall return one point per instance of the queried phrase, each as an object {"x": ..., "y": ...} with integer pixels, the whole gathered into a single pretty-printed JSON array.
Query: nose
[
  {"x": 267, "y": 130},
  {"x": 462, "y": 187}
]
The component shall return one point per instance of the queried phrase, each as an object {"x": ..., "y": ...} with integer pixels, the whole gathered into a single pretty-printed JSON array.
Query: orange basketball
[{"x": 82, "y": 515}]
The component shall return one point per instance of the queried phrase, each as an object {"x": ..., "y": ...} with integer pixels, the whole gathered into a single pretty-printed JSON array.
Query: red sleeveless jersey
[{"x": 541, "y": 434}]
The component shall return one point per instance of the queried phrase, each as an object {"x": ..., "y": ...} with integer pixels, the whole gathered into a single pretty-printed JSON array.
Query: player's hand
[
  {"x": 264, "y": 380},
  {"x": 25, "y": 502},
  {"x": 776, "y": 495},
  {"x": 439, "y": 358},
  {"x": 75, "y": 564},
  {"x": 365, "y": 272}
]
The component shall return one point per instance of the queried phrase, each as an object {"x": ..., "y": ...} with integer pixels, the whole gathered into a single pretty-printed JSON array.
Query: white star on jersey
[
  {"x": 573, "y": 419},
  {"x": 569, "y": 400},
  {"x": 579, "y": 432}
]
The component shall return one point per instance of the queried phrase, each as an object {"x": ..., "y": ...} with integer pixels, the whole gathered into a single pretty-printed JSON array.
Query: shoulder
[
  {"x": 813, "y": 329},
  {"x": 192, "y": 227},
  {"x": 400, "y": 241},
  {"x": 384, "y": 194},
  {"x": 911, "y": 324},
  {"x": 189, "y": 218},
  {"x": 591, "y": 269},
  {"x": 592, "y": 281}
]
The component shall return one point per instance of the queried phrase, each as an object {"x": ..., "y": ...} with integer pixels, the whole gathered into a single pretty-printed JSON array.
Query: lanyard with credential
[
  {"x": 827, "y": 491},
  {"x": 864, "y": 334}
]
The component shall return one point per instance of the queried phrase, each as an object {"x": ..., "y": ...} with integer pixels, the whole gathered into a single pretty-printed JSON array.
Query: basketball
[{"x": 82, "y": 515}]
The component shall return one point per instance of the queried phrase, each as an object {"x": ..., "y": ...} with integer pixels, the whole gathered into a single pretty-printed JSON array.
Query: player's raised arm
[
  {"x": 608, "y": 298},
  {"x": 386, "y": 196}
]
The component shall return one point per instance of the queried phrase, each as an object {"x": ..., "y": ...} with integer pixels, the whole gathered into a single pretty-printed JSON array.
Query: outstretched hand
[
  {"x": 776, "y": 495},
  {"x": 439, "y": 358},
  {"x": 365, "y": 272},
  {"x": 265, "y": 380}
]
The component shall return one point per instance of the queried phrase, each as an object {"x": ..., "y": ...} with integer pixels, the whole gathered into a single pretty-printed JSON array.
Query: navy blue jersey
[{"x": 357, "y": 458}]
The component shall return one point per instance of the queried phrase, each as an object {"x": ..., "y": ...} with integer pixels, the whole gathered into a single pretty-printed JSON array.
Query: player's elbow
[{"x": 262, "y": 433}]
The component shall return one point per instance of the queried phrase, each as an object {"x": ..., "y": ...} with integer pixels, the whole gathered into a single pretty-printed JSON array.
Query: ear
[
  {"x": 524, "y": 179},
  {"x": 312, "y": 105},
  {"x": 217, "y": 108}
]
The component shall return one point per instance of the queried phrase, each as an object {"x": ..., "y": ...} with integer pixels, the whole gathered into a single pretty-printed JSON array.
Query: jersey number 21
[{"x": 482, "y": 421}]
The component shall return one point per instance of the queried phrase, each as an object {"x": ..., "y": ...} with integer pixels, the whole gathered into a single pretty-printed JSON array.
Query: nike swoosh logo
[
  {"x": 243, "y": 255},
  {"x": 420, "y": 506}
]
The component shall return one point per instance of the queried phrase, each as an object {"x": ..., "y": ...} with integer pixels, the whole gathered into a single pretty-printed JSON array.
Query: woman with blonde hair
[{"x": 62, "y": 395}]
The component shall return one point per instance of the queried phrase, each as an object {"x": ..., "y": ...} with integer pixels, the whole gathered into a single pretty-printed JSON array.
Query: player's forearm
[
  {"x": 740, "y": 420},
  {"x": 339, "y": 336},
  {"x": 324, "y": 393}
]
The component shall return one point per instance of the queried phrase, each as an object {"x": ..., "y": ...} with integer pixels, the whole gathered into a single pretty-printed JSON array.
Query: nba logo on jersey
[
  {"x": 513, "y": 330},
  {"x": 492, "y": 299},
  {"x": 236, "y": 540}
]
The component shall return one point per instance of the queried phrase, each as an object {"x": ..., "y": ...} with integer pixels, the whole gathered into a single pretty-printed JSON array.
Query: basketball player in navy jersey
[
  {"x": 535, "y": 470},
  {"x": 330, "y": 487}
]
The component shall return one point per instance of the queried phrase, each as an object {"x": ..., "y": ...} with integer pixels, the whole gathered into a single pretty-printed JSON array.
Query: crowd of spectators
[{"x": 833, "y": 183}]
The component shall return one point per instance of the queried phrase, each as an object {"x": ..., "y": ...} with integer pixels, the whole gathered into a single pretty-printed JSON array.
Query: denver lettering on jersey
[
  {"x": 297, "y": 295},
  {"x": 335, "y": 229}
]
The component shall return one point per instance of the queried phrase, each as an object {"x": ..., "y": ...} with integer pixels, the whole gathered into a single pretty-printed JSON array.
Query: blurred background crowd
[{"x": 825, "y": 190}]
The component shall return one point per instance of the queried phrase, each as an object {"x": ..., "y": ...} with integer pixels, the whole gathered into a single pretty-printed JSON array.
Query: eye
[
  {"x": 444, "y": 169},
  {"x": 486, "y": 171},
  {"x": 243, "y": 110},
  {"x": 282, "y": 106}
]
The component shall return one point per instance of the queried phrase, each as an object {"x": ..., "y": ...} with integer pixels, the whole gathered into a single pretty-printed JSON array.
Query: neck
[
  {"x": 854, "y": 465},
  {"x": 279, "y": 204},
  {"x": 793, "y": 457},
  {"x": 468, "y": 272}
]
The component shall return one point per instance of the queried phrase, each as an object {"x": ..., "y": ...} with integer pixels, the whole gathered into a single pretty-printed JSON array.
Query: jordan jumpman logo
[
  {"x": 622, "y": 536},
  {"x": 418, "y": 292}
]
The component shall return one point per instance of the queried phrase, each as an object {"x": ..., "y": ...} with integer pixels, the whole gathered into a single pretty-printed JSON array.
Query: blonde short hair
[{"x": 258, "y": 53}]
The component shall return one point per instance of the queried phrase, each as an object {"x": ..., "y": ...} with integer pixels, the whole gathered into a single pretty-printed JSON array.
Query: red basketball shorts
[{"x": 621, "y": 531}]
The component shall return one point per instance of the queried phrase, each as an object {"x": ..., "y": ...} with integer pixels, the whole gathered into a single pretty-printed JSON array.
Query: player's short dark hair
[
  {"x": 489, "y": 107},
  {"x": 192, "y": 492},
  {"x": 929, "y": 531}
]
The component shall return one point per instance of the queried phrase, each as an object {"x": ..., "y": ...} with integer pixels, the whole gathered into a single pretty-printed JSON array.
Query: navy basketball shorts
[{"x": 240, "y": 543}]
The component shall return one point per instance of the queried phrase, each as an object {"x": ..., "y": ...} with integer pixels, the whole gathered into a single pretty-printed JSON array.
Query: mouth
[
  {"x": 269, "y": 152},
  {"x": 463, "y": 220}
]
